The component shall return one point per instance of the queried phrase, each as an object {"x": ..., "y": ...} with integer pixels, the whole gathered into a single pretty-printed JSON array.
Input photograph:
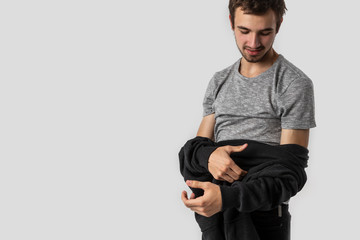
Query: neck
[{"x": 252, "y": 69}]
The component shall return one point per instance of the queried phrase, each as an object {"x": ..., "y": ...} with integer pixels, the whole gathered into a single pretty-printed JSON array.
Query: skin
[{"x": 254, "y": 36}]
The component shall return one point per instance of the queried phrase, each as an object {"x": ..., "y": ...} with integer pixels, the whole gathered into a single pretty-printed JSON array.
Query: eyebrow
[{"x": 262, "y": 30}]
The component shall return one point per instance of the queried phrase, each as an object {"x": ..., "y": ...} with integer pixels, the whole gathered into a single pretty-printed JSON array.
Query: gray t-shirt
[{"x": 258, "y": 108}]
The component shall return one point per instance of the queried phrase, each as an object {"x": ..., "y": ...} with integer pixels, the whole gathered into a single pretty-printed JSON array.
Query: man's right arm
[
  {"x": 206, "y": 128},
  {"x": 220, "y": 164}
]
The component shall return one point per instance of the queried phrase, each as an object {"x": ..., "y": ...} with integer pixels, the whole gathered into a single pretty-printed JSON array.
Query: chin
[{"x": 253, "y": 59}]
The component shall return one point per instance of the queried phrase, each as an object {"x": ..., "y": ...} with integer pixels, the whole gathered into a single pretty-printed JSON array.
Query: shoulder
[
  {"x": 221, "y": 76},
  {"x": 291, "y": 76},
  {"x": 226, "y": 71}
]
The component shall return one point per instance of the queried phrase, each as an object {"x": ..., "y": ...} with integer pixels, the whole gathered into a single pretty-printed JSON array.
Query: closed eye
[
  {"x": 243, "y": 30},
  {"x": 265, "y": 33}
]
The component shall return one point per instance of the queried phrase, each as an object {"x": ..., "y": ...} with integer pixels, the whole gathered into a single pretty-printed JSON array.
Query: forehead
[{"x": 255, "y": 21}]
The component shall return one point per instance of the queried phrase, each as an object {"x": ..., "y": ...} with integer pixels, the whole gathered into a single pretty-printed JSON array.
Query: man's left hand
[{"x": 206, "y": 205}]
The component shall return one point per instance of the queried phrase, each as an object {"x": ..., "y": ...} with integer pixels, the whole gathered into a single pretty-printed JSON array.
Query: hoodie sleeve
[
  {"x": 268, "y": 184},
  {"x": 260, "y": 193},
  {"x": 193, "y": 158}
]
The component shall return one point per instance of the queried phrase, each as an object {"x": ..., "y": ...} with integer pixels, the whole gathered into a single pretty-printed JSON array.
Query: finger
[
  {"x": 201, "y": 211},
  {"x": 228, "y": 178},
  {"x": 237, "y": 148},
  {"x": 243, "y": 173},
  {"x": 198, "y": 210},
  {"x": 235, "y": 176},
  {"x": 225, "y": 178},
  {"x": 196, "y": 184},
  {"x": 221, "y": 179},
  {"x": 235, "y": 168},
  {"x": 184, "y": 196},
  {"x": 189, "y": 202},
  {"x": 193, "y": 202}
]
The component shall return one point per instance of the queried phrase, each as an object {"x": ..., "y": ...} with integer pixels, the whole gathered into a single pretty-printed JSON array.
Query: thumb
[
  {"x": 196, "y": 184},
  {"x": 237, "y": 148}
]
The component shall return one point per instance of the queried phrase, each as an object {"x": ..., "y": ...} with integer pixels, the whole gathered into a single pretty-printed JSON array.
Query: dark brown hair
[{"x": 258, "y": 7}]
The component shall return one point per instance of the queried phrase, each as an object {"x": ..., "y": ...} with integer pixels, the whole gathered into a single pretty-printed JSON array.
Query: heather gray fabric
[{"x": 258, "y": 108}]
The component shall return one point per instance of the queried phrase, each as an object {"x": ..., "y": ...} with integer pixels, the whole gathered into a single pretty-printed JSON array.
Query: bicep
[
  {"x": 206, "y": 128},
  {"x": 295, "y": 136}
]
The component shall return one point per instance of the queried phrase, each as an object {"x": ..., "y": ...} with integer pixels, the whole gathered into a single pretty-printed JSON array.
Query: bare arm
[
  {"x": 206, "y": 128},
  {"x": 295, "y": 136},
  {"x": 221, "y": 166}
]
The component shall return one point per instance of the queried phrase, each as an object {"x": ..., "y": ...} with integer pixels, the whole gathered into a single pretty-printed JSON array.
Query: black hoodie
[{"x": 275, "y": 173}]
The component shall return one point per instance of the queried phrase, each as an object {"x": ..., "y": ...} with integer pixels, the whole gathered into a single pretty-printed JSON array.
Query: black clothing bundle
[{"x": 275, "y": 174}]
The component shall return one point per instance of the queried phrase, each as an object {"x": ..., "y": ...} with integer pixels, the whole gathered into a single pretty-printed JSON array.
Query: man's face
[{"x": 254, "y": 34}]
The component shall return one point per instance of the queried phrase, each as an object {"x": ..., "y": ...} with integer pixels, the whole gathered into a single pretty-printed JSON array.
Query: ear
[{"x": 232, "y": 27}]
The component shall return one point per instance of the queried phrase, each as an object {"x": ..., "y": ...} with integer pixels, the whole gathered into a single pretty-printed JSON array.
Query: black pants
[
  {"x": 270, "y": 226},
  {"x": 258, "y": 225}
]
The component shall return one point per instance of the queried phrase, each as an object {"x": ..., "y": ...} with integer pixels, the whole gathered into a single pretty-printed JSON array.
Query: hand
[
  {"x": 206, "y": 205},
  {"x": 222, "y": 167}
]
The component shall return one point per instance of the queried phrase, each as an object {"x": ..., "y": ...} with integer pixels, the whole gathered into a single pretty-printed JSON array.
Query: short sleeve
[
  {"x": 209, "y": 98},
  {"x": 297, "y": 106}
]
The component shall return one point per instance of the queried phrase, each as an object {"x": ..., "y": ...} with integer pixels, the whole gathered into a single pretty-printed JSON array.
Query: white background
[{"x": 97, "y": 97}]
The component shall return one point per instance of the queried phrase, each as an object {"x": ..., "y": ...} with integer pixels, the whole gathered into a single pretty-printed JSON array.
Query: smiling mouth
[{"x": 253, "y": 51}]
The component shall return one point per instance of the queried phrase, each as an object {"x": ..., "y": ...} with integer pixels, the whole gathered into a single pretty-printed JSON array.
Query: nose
[{"x": 254, "y": 41}]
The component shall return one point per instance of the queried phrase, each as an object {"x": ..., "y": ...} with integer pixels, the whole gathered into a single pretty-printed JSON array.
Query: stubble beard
[{"x": 254, "y": 59}]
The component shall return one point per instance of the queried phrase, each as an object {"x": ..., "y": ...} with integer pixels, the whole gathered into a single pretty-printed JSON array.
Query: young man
[{"x": 261, "y": 97}]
